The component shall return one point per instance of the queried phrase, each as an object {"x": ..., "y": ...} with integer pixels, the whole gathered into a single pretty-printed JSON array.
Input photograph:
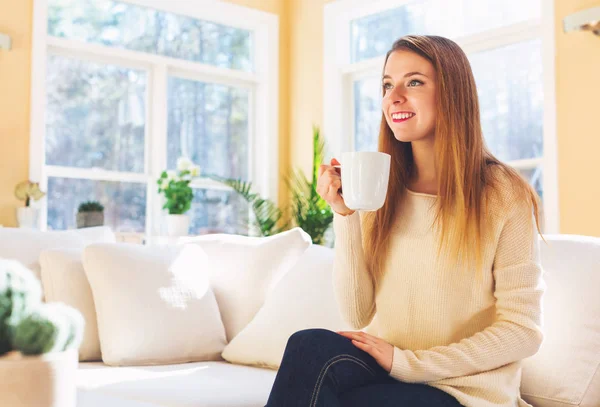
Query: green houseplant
[
  {"x": 89, "y": 214},
  {"x": 267, "y": 218},
  {"x": 27, "y": 192},
  {"x": 38, "y": 342},
  {"x": 178, "y": 195},
  {"x": 309, "y": 211}
]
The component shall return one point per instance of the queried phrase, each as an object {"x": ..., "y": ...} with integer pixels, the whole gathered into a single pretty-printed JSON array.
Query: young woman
[{"x": 445, "y": 277}]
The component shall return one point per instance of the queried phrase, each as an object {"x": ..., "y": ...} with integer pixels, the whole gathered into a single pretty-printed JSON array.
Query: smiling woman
[
  {"x": 445, "y": 278},
  {"x": 516, "y": 100}
]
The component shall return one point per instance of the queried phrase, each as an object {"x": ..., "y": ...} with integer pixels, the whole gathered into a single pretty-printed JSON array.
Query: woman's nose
[{"x": 397, "y": 95}]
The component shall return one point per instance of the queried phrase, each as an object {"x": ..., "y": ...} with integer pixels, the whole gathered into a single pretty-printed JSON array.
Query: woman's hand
[
  {"x": 381, "y": 351},
  {"x": 329, "y": 185}
]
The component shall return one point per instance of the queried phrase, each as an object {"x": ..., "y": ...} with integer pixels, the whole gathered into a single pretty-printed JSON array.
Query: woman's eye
[
  {"x": 415, "y": 80},
  {"x": 387, "y": 86}
]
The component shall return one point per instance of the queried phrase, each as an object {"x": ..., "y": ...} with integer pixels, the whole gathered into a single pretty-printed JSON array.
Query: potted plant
[
  {"x": 89, "y": 214},
  {"x": 39, "y": 343},
  {"x": 28, "y": 191},
  {"x": 309, "y": 211},
  {"x": 268, "y": 219},
  {"x": 178, "y": 195}
]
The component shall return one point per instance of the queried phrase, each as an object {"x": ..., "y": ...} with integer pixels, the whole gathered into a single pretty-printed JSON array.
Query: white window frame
[
  {"x": 339, "y": 75},
  {"x": 263, "y": 84}
]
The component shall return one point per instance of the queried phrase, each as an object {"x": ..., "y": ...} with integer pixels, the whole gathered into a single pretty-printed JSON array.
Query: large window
[
  {"x": 121, "y": 89},
  {"x": 509, "y": 44}
]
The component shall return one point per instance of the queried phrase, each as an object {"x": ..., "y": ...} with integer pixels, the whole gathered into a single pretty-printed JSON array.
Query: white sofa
[{"x": 565, "y": 372}]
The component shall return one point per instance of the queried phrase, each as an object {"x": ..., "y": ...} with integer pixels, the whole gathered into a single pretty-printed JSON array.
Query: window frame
[
  {"x": 263, "y": 85},
  {"x": 340, "y": 74}
]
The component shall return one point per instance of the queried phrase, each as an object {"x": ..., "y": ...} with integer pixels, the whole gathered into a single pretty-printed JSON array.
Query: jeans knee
[
  {"x": 311, "y": 337},
  {"x": 313, "y": 346},
  {"x": 317, "y": 341}
]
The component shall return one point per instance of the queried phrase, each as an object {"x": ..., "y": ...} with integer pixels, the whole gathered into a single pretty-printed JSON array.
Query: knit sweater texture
[{"x": 451, "y": 330}]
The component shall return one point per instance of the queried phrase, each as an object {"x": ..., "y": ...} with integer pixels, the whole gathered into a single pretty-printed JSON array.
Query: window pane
[
  {"x": 215, "y": 211},
  {"x": 209, "y": 124},
  {"x": 124, "y": 203},
  {"x": 95, "y": 115},
  {"x": 535, "y": 178},
  {"x": 367, "y": 113},
  {"x": 373, "y": 35},
  {"x": 129, "y": 26},
  {"x": 511, "y": 99}
]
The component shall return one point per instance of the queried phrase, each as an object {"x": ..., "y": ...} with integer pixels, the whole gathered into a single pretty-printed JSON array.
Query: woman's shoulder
[{"x": 506, "y": 190}]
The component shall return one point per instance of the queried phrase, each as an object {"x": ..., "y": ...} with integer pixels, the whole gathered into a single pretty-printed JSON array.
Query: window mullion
[
  {"x": 157, "y": 123},
  {"x": 94, "y": 174},
  {"x": 525, "y": 164}
]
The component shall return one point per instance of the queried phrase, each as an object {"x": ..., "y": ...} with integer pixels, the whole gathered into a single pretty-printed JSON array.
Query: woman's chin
[{"x": 407, "y": 138}]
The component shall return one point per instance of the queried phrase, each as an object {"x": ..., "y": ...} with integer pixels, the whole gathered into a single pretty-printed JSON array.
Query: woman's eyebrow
[{"x": 405, "y": 75}]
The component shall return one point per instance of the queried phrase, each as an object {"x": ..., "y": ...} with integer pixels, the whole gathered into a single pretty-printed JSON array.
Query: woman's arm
[
  {"x": 516, "y": 334},
  {"x": 353, "y": 285}
]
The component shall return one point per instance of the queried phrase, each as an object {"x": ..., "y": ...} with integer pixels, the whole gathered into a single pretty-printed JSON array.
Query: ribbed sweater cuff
[
  {"x": 346, "y": 225},
  {"x": 400, "y": 369}
]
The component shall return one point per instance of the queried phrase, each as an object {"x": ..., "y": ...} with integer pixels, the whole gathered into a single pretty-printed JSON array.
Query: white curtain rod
[{"x": 4, "y": 42}]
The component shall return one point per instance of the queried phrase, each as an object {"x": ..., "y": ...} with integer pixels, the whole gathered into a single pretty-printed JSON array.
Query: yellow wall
[
  {"x": 15, "y": 20},
  {"x": 301, "y": 102},
  {"x": 577, "y": 90},
  {"x": 306, "y": 79}
]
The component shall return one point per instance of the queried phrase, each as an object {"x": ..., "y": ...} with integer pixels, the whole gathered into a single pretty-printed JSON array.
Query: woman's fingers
[
  {"x": 332, "y": 194},
  {"x": 323, "y": 168},
  {"x": 361, "y": 336}
]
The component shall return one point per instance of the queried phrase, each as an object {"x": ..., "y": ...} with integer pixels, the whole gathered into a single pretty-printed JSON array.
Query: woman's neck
[{"x": 425, "y": 176}]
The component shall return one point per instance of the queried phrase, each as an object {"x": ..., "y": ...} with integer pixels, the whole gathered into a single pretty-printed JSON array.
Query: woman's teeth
[{"x": 402, "y": 116}]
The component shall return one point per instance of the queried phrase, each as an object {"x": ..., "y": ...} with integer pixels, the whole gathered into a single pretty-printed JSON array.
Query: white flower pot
[
  {"x": 178, "y": 225},
  {"x": 46, "y": 380},
  {"x": 27, "y": 217}
]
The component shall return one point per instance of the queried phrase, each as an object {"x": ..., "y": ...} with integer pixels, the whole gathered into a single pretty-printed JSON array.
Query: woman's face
[{"x": 409, "y": 102}]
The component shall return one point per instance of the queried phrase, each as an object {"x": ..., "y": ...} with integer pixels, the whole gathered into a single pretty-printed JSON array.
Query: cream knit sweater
[{"x": 463, "y": 335}]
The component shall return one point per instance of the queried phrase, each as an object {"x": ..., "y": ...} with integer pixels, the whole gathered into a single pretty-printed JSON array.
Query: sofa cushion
[
  {"x": 566, "y": 369},
  {"x": 244, "y": 268},
  {"x": 154, "y": 305},
  {"x": 302, "y": 299},
  {"x": 206, "y": 384},
  {"x": 26, "y": 245},
  {"x": 64, "y": 280}
]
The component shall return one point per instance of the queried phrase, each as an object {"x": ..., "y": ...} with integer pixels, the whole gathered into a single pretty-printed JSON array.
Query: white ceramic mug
[{"x": 365, "y": 177}]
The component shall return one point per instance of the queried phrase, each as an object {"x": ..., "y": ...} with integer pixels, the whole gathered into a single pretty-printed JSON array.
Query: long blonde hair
[{"x": 464, "y": 164}]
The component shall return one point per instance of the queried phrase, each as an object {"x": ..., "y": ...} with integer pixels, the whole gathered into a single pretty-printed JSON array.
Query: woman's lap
[
  {"x": 322, "y": 368},
  {"x": 393, "y": 393}
]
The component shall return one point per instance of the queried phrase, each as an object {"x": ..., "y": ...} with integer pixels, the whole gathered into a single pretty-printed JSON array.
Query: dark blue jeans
[{"x": 321, "y": 368}]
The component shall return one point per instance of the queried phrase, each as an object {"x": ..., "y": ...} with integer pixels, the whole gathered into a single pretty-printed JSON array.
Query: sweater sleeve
[
  {"x": 353, "y": 284},
  {"x": 516, "y": 333}
]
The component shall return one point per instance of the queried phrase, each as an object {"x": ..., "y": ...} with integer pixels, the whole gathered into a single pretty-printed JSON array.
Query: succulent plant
[
  {"x": 28, "y": 325},
  {"x": 20, "y": 293},
  {"x": 27, "y": 190},
  {"x": 90, "y": 206},
  {"x": 53, "y": 327}
]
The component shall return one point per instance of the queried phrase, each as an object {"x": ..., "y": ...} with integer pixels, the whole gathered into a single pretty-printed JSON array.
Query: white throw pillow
[
  {"x": 25, "y": 245},
  {"x": 302, "y": 299},
  {"x": 64, "y": 280},
  {"x": 244, "y": 268},
  {"x": 154, "y": 305}
]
